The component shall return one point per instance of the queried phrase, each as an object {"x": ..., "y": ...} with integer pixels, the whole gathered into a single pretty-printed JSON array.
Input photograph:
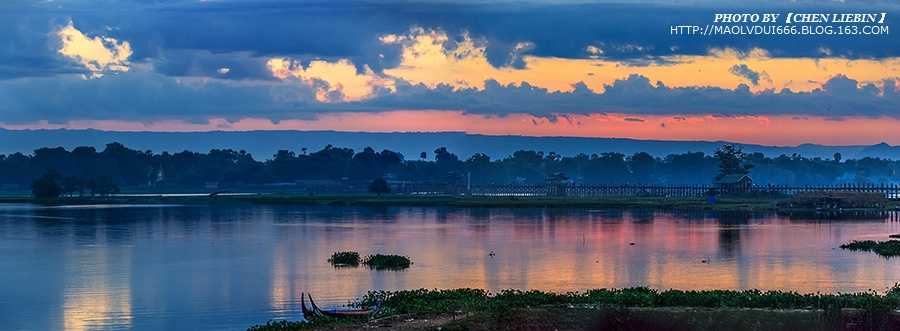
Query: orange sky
[{"x": 777, "y": 130}]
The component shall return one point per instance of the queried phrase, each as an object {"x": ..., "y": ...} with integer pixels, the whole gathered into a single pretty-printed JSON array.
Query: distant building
[
  {"x": 556, "y": 184},
  {"x": 735, "y": 181},
  {"x": 733, "y": 184},
  {"x": 160, "y": 175}
]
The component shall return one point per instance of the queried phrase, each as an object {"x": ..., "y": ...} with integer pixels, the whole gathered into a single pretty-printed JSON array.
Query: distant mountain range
[{"x": 264, "y": 144}]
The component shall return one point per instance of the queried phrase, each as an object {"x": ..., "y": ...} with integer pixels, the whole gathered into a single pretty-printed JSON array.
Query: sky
[{"x": 620, "y": 69}]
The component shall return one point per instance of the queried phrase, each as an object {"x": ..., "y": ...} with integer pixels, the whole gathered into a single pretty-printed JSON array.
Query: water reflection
[
  {"x": 841, "y": 215},
  {"x": 235, "y": 265},
  {"x": 98, "y": 293}
]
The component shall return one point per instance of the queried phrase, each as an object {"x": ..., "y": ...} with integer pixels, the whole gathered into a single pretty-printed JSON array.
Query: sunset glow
[{"x": 747, "y": 129}]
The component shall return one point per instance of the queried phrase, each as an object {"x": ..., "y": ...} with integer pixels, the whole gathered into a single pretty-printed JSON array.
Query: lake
[{"x": 228, "y": 266}]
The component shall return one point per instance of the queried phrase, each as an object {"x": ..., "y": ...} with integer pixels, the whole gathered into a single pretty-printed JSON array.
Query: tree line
[{"x": 128, "y": 167}]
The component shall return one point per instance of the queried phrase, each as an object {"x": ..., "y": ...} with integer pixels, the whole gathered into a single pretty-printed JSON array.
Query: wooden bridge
[{"x": 891, "y": 191}]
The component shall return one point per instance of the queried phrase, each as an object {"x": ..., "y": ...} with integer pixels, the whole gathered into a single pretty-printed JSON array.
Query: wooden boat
[
  {"x": 315, "y": 311},
  {"x": 307, "y": 313}
]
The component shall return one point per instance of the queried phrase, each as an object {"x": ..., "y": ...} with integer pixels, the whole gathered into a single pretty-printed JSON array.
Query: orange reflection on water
[
  {"x": 571, "y": 250},
  {"x": 98, "y": 292}
]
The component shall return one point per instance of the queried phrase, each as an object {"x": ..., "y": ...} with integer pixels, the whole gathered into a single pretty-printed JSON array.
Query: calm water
[{"x": 227, "y": 266}]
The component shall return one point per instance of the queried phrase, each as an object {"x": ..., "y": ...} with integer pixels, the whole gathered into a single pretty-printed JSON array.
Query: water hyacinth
[
  {"x": 410, "y": 301},
  {"x": 377, "y": 261},
  {"x": 875, "y": 308},
  {"x": 389, "y": 262},
  {"x": 884, "y": 248},
  {"x": 344, "y": 258}
]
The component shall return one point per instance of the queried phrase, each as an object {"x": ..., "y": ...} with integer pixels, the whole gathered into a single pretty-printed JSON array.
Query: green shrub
[
  {"x": 393, "y": 262},
  {"x": 884, "y": 248},
  {"x": 344, "y": 258}
]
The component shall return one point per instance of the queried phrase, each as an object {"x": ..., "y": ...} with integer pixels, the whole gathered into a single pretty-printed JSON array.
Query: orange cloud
[
  {"x": 428, "y": 59},
  {"x": 97, "y": 54},
  {"x": 343, "y": 82}
]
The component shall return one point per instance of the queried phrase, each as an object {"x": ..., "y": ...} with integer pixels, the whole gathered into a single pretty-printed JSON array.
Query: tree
[
  {"x": 641, "y": 166},
  {"x": 731, "y": 161},
  {"x": 71, "y": 185},
  {"x": 687, "y": 168},
  {"x": 103, "y": 186},
  {"x": 837, "y": 157},
  {"x": 47, "y": 186},
  {"x": 379, "y": 186}
]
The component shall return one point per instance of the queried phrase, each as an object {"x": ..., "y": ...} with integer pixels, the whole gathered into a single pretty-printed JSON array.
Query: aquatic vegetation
[
  {"x": 377, "y": 261},
  {"x": 447, "y": 300},
  {"x": 504, "y": 309},
  {"x": 884, "y": 248},
  {"x": 344, "y": 258},
  {"x": 391, "y": 262}
]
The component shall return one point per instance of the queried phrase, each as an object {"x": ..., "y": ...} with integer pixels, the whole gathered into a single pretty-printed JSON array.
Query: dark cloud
[
  {"x": 149, "y": 97},
  {"x": 636, "y": 95},
  {"x": 840, "y": 84},
  {"x": 745, "y": 72},
  {"x": 331, "y": 30},
  {"x": 145, "y": 98},
  {"x": 201, "y": 63}
]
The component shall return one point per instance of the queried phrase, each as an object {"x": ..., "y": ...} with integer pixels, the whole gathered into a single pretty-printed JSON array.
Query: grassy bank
[
  {"x": 620, "y": 309},
  {"x": 675, "y": 203},
  {"x": 519, "y": 202}
]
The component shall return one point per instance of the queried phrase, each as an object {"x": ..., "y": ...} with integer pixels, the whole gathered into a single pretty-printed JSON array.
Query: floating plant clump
[
  {"x": 344, "y": 259},
  {"x": 377, "y": 261},
  {"x": 393, "y": 262},
  {"x": 884, "y": 248}
]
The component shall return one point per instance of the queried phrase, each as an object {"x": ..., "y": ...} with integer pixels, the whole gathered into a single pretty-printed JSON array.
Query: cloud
[
  {"x": 507, "y": 32},
  {"x": 744, "y": 72},
  {"x": 145, "y": 97},
  {"x": 334, "y": 30},
  {"x": 333, "y": 82},
  {"x": 203, "y": 63},
  {"x": 636, "y": 95},
  {"x": 99, "y": 54},
  {"x": 150, "y": 97},
  {"x": 840, "y": 84},
  {"x": 281, "y": 59}
]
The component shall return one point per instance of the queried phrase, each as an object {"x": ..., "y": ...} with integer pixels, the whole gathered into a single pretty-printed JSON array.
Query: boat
[
  {"x": 315, "y": 311},
  {"x": 307, "y": 313}
]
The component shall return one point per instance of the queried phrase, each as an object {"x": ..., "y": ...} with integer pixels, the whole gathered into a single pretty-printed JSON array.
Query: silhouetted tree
[
  {"x": 191, "y": 169},
  {"x": 47, "y": 186},
  {"x": 71, "y": 185},
  {"x": 731, "y": 161},
  {"x": 688, "y": 168},
  {"x": 642, "y": 166},
  {"x": 379, "y": 186},
  {"x": 103, "y": 186}
]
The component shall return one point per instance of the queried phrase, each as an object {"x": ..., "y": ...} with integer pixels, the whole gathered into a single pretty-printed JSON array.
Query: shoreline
[
  {"x": 752, "y": 204},
  {"x": 636, "y": 308}
]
